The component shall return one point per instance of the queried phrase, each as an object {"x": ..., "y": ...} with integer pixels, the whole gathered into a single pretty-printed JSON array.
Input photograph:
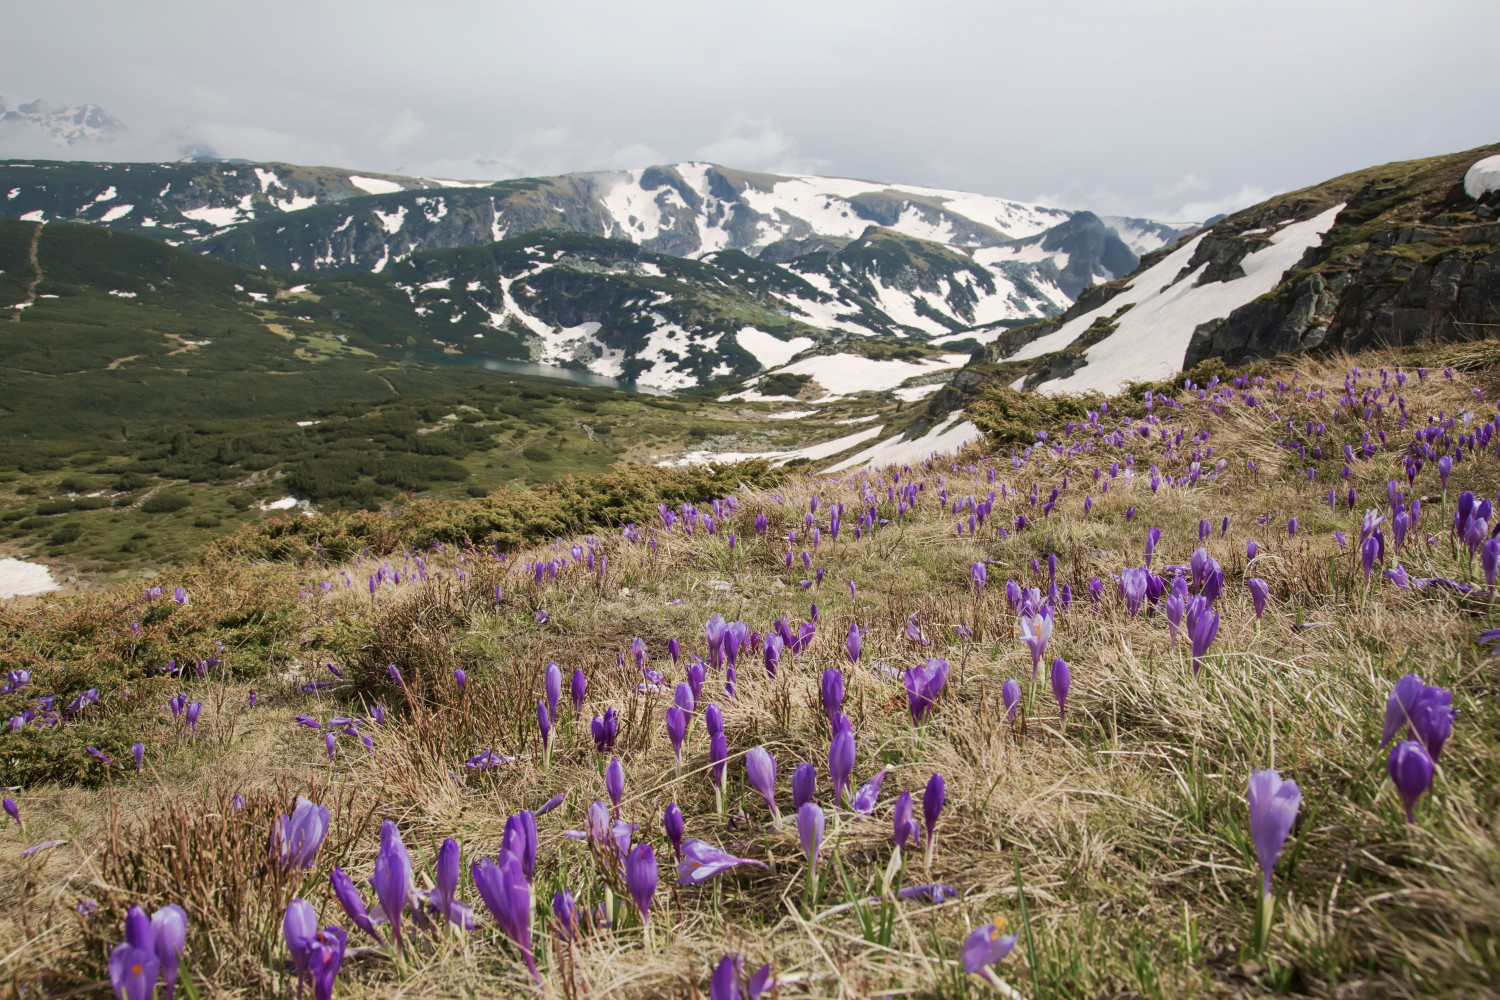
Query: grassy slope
[
  {"x": 1126, "y": 829},
  {"x": 117, "y": 397}
]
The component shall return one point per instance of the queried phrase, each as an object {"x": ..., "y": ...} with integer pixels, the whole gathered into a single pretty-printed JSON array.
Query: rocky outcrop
[{"x": 1435, "y": 278}]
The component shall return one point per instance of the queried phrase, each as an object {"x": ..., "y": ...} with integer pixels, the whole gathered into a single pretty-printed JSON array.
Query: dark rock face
[{"x": 1392, "y": 298}]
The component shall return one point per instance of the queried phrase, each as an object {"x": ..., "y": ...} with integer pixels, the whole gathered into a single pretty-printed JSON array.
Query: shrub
[{"x": 165, "y": 503}]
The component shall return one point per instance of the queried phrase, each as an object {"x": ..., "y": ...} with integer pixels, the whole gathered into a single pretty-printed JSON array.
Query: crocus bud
[
  {"x": 1411, "y": 771},
  {"x": 614, "y": 783},
  {"x": 932, "y": 803},
  {"x": 1061, "y": 679},
  {"x": 640, "y": 878},
  {"x": 760, "y": 771},
  {"x": 841, "y": 763},
  {"x": 804, "y": 784},
  {"x": 671, "y": 823},
  {"x": 577, "y": 691}
]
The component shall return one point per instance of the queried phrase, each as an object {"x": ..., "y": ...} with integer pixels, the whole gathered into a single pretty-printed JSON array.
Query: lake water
[
  {"x": 19, "y": 577},
  {"x": 529, "y": 368}
]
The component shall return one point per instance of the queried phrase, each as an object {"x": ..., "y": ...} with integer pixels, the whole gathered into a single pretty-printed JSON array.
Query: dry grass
[{"x": 1124, "y": 832}]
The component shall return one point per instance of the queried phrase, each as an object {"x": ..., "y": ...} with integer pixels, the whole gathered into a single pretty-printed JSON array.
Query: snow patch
[
  {"x": 374, "y": 185},
  {"x": 1152, "y": 337},
  {"x": 19, "y": 578},
  {"x": 226, "y": 215},
  {"x": 950, "y": 435},
  {"x": 768, "y": 350},
  {"x": 118, "y": 212},
  {"x": 392, "y": 221}
]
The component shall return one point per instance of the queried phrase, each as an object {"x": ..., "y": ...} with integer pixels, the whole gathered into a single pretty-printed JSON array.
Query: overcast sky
[{"x": 1174, "y": 110}]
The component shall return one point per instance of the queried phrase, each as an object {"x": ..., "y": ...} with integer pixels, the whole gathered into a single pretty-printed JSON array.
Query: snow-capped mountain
[
  {"x": 65, "y": 126},
  {"x": 827, "y": 257},
  {"x": 1403, "y": 253}
]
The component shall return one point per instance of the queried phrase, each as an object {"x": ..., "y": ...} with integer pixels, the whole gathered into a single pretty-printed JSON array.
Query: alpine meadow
[{"x": 730, "y": 578}]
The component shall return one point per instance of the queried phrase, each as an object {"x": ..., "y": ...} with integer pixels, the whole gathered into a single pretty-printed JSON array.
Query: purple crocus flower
[
  {"x": 552, "y": 685},
  {"x": 614, "y": 783},
  {"x": 932, "y": 807},
  {"x": 1259, "y": 591},
  {"x": 1369, "y": 552},
  {"x": 299, "y": 927},
  {"x": 923, "y": 685},
  {"x": 978, "y": 575},
  {"x": 677, "y": 721},
  {"x": 1134, "y": 583},
  {"x": 138, "y": 751},
  {"x": 300, "y": 835},
  {"x": 760, "y": 771},
  {"x": 671, "y": 823},
  {"x": 544, "y": 722},
  {"x": 714, "y": 634},
  {"x": 718, "y": 756},
  {"x": 697, "y": 673},
  {"x": 1426, "y": 711},
  {"x": 331, "y": 744},
  {"x": 804, "y": 784},
  {"x": 638, "y": 650},
  {"x": 1061, "y": 679},
  {"x": 810, "y": 823},
  {"x": 1251, "y": 549},
  {"x": 674, "y": 649},
  {"x": 194, "y": 710},
  {"x": 577, "y": 690},
  {"x": 565, "y": 912},
  {"x": 683, "y": 698},
  {"x": 324, "y": 959},
  {"x": 348, "y": 895},
  {"x": 841, "y": 763},
  {"x": 459, "y": 677},
  {"x": 852, "y": 644},
  {"x": 133, "y": 972},
  {"x": 169, "y": 934},
  {"x": 604, "y": 730},
  {"x": 392, "y": 879},
  {"x": 1273, "y": 810},
  {"x": 520, "y": 839},
  {"x": 1036, "y": 629},
  {"x": 702, "y": 861},
  {"x": 863, "y": 801},
  {"x": 507, "y": 895},
  {"x": 1201, "y": 632},
  {"x": 640, "y": 879},
  {"x": 832, "y": 691},
  {"x": 444, "y": 896},
  {"x": 774, "y": 644},
  {"x": 985, "y": 946},
  {"x": 713, "y": 720},
  {"x": 1411, "y": 771},
  {"x": 1010, "y": 693},
  {"x": 904, "y": 821}
]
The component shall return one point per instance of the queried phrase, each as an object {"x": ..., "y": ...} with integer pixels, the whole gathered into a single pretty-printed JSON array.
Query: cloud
[
  {"x": 253, "y": 142},
  {"x": 398, "y": 133},
  {"x": 1174, "y": 202},
  {"x": 752, "y": 143},
  {"x": 542, "y": 152}
]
